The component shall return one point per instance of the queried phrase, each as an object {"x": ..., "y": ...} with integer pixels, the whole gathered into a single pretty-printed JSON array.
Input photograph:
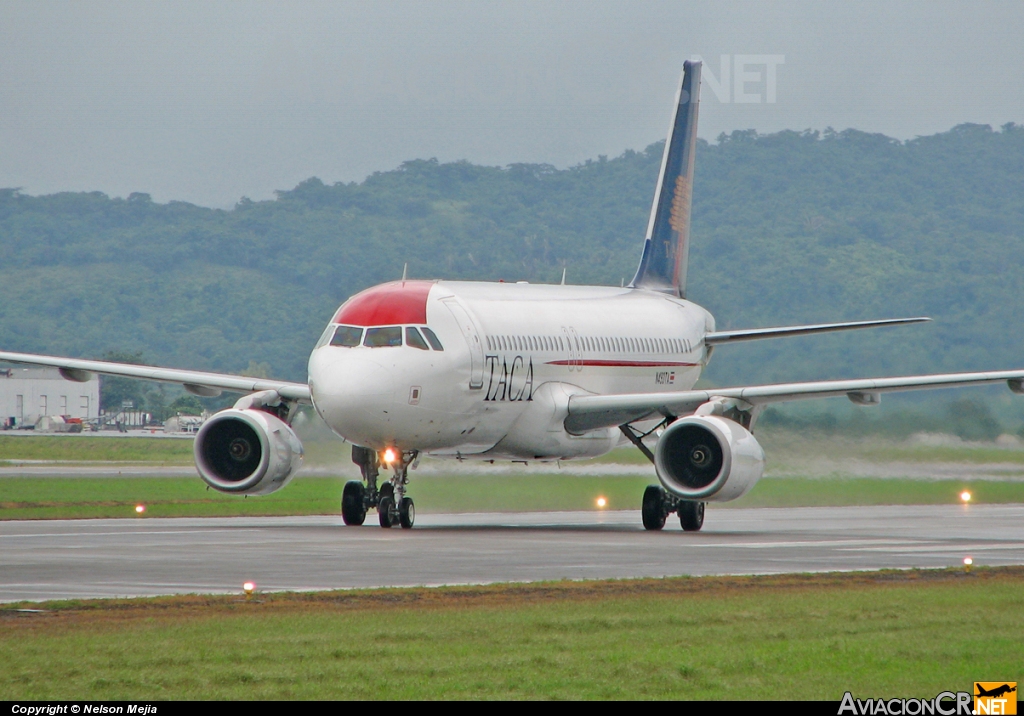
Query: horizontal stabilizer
[{"x": 754, "y": 334}]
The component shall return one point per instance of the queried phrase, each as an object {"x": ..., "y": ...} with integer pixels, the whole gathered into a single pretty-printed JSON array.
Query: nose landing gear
[{"x": 393, "y": 507}]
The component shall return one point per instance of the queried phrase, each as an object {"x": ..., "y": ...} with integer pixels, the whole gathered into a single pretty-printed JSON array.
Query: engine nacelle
[
  {"x": 247, "y": 452},
  {"x": 708, "y": 459}
]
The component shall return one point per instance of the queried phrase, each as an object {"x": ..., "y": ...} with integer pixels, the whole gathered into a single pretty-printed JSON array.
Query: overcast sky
[{"x": 210, "y": 101}]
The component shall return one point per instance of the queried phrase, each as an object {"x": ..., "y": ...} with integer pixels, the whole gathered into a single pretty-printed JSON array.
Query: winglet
[{"x": 667, "y": 245}]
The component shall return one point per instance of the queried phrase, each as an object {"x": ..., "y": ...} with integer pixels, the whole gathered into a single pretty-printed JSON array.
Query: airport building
[{"x": 27, "y": 394}]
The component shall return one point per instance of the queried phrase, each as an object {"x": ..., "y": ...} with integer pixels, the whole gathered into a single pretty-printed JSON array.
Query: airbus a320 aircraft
[{"x": 523, "y": 372}]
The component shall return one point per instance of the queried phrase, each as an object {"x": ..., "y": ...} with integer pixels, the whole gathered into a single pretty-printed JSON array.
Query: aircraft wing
[
  {"x": 753, "y": 334},
  {"x": 589, "y": 412},
  {"x": 195, "y": 382}
]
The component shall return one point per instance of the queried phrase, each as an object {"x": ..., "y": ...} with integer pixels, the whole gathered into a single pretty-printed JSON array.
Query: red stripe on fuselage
[
  {"x": 623, "y": 363},
  {"x": 388, "y": 304}
]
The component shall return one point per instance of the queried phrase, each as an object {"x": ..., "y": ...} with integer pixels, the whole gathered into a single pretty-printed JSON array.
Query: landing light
[
  {"x": 249, "y": 588},
  {"x": 139, "y": 509},
  {"x": 390, "y": 455},
  {"x": 602, "y": 502},
  {"x": 967, "y": 564},
  {"x": 965, "y": 496}
]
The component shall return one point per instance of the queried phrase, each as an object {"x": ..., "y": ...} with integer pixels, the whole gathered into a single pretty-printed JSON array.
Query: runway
[{"x": 42, "y": 560}]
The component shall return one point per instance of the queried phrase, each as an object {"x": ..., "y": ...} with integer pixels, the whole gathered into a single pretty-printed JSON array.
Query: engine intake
[
  {"x": 247, "y": 452},
  {"x": 708, "y": 458}
]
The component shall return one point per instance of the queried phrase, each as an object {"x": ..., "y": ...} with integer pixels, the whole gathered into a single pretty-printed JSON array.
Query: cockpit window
[
  {"x": 434, "y": 343},
  {"x": 383, "y": 337},
  {"x": 325, "y": 337},
  {"x": 347, "y": 336},
  {"x": 414, "y": 339}
]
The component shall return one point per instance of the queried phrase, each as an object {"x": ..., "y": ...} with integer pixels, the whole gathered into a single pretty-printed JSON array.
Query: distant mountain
[{"x": 788, "y": 227}]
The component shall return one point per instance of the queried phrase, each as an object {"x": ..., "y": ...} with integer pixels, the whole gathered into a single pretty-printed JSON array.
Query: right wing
[
  {"x": 195, "y": 382},
  {"x": 590, "y": 412}
]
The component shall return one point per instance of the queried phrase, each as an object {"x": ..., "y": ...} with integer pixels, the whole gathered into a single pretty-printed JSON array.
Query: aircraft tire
[
  {"x": 384, "y": 509},
  {"x": 653, "y": 508},
  {"x": 406, "y": 513},
  {"x": 691, "y": 516},
  {"x": 353, "y": 504}
]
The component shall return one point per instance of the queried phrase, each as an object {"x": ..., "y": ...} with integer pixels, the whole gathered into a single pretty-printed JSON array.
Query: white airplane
[{"x": 521, "y": 372}]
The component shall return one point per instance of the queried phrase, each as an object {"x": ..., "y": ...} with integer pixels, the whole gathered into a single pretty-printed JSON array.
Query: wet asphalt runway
[{"x": 128, "y": 557}]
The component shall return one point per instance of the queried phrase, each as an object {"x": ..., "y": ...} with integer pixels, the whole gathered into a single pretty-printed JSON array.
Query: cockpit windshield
[
  {"x": 434, "y": 342},
  {"x": 383, "y": 337},
  {"x": 419, "y": 337},
  {"x": 414, "y": 339},
  {"x": 347, "y": 336}
]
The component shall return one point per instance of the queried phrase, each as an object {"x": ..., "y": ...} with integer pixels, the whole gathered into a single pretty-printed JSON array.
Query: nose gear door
[{"x": 476, "y": 347}]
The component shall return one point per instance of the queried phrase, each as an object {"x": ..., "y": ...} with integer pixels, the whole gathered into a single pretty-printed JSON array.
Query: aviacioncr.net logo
[{"x": 946, "y": 703}]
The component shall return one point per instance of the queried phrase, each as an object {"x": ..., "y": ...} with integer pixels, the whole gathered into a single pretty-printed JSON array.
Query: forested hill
[{"x": 788, "y": 227}]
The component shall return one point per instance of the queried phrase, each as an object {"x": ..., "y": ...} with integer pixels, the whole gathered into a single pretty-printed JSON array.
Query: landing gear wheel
[
  {"x": 384, "y": 509},
  {"x": 406, "y": 513},
  {"x": 691, "y": 516},
  {"x": 653, "y": 509},
  {"x": 353, "y": 503}
]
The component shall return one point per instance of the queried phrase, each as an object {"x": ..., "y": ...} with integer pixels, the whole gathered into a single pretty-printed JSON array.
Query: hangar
[{"x": 26, "y": 394}]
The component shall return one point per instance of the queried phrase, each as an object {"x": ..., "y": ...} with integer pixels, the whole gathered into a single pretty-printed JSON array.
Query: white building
[{"x": 26, "y": 394}]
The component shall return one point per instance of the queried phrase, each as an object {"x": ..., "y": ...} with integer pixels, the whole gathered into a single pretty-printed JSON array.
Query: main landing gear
[
  {"x": 658, "y": 504},
  {"x": 393, "y": 507}
]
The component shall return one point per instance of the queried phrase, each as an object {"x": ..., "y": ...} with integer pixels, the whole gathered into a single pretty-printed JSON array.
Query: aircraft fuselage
[{"x": 512, "y": 354}]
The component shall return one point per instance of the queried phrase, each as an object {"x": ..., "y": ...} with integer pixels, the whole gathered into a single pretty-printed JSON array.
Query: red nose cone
[{"x": 387, "y": 305}]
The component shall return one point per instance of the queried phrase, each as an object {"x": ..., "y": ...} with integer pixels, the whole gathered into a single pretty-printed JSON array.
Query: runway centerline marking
[
  {"x": 971, "y": 547},
  {"x": 809, "y": 543},
  {"x": 232, "y": 530}
]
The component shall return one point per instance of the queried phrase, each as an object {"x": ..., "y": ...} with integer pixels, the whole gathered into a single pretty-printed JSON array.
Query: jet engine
[
  {"x": 708, "y": 459},
  {"x": 247, "y": 452}
]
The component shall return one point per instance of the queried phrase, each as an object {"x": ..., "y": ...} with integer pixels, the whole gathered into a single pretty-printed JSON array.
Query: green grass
[
  {"x": 92, "y": 497},
  {"x": 780, "y": 445},
  {"x": 482, "y": 490},
  {"x": 905, "y": 634},
  {"x": 89, "y": 448}
]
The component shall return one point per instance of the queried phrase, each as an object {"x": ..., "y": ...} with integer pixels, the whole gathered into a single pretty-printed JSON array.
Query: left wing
[
  {"x": 754, "y": 334},
  {"x": 589, "y": 412},
  {"x": 195, "y": 382}
]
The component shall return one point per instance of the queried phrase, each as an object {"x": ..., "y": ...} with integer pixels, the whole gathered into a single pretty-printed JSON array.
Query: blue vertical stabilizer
[{"x": 663, "y": 264}]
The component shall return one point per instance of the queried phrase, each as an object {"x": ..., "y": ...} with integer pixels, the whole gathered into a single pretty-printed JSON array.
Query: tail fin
[{"x": 663, "y": 264}]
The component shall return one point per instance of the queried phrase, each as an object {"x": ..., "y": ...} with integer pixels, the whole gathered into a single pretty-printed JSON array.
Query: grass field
[
  {"x": 782, "y": 637},
  {"x": 780, "y": 447},
  {"x": 93, "y": 448},
  {"x": 806, "y": 482},
  {"x": 90, "y": 497}
]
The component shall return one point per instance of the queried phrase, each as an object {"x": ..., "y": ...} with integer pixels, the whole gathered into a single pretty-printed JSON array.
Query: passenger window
[
  {"x": 414, "y": 339},
  {"x": 347, "y": 336},
  {"x": 432, "y": 339},
  {"x": 383, "y": 337}
]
